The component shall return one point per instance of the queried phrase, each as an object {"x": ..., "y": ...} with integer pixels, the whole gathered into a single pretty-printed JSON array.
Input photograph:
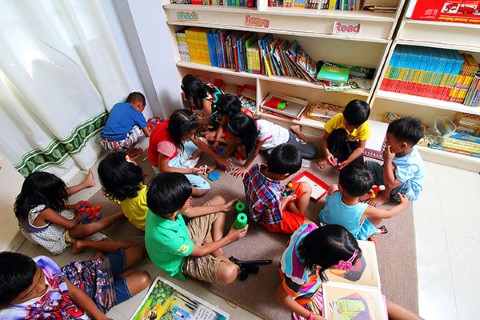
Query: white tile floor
[
  {"x": 448, "y": 248},
  {"x": 447, "y": 222}
]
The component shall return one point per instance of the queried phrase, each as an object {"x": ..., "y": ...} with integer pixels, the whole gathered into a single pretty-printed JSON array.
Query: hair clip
[
  {"x": 129, "y": 160},
  {"x": 346, "y": 265}
]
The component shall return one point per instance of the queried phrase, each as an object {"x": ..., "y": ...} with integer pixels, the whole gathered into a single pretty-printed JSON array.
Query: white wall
[
  {"x": 10, "y": 185},
  {"x": 144, "y": 26}
]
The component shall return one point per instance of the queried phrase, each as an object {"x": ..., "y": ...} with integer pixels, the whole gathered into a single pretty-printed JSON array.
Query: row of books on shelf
[
  {"x": 244, "y": 51},
  {"x": 228, "y": 3},
  {"x": 343, "y": 5},
  {"x": 434, "y": 73}
]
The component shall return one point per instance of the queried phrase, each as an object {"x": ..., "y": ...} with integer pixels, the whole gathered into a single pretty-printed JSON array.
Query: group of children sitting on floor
[{"x": 32, "y": 287}]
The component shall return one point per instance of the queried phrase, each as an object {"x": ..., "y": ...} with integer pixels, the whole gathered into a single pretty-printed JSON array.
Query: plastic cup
[{"x": 240, "y": 221}]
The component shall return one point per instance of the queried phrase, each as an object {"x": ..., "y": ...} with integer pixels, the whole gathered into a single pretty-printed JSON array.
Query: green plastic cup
[
  {"x": 240, "y": 221},
  {"x": 239, "y": 207}
]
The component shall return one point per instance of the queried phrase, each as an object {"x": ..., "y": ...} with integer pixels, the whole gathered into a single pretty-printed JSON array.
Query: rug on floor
[{"x": 395, "y": 250}]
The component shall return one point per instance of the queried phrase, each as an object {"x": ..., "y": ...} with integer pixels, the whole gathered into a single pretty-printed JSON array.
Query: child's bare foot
[
  {"x": 77, "y": 247},
  {"x": 296, "y": 128},
  {"x": 380, "y": 199},
  {"x": 89, "y": 180},
  {"x": 322, "y": 163}
]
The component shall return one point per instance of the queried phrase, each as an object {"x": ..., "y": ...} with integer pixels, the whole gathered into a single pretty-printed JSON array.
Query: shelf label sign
[
  {"x": 345, "y": 28},
  {"x": 257, "y": 22},
  {"x": 187, "y": 16}
]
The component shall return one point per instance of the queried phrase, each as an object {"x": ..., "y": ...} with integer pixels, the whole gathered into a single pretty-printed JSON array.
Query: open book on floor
[
  {"x": 355, "y": 294},
  {"x": 166, "y": 300}
]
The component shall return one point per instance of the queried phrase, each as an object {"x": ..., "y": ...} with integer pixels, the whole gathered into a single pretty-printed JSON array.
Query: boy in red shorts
[{"x": 264, "y": 193}]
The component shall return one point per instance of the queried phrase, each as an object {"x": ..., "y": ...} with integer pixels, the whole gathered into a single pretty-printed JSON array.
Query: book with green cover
[{"x": 332, "y": 72}]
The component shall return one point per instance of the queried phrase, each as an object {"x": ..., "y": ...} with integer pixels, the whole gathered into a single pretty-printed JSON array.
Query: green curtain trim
[{"x": 58, "y": 151}]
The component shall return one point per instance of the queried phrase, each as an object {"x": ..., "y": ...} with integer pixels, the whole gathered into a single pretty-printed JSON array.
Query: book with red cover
[{"x": 460, "y": 11}]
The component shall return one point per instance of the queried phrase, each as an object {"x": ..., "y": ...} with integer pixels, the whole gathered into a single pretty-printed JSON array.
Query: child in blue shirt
[
  {"x": 403, "y": 170},
  {"x": 125, "y": 125},
  {"x": 343, "y": 206}
]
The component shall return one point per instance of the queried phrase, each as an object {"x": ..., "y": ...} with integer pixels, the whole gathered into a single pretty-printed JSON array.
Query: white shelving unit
[
  {"x": 313, "y": 30},
  {"x": 452, "y": 36}
]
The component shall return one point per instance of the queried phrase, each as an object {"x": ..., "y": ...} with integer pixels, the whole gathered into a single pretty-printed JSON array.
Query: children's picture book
[
  {"x": 319, "y": 187},
  {"x": 461, "y": 11},
  {"x": 376, "y": 143},
  {"x": 332, "y": 72},
  {"x": 355, "y": 293},
  {"x": 323, "y": 111},
  {"x": 166, "y": 300}
]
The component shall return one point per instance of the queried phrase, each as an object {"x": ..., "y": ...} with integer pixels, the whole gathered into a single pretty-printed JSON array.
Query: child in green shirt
[{"x": 191, "y": 249}]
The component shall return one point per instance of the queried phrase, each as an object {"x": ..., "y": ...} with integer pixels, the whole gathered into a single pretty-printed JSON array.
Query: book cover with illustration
[
  {"x": 355, "y": 293},
  {"x": 460, "y": 11},
  {"x": 167, "y": 301},
  {"x": 332, "y": 72}
]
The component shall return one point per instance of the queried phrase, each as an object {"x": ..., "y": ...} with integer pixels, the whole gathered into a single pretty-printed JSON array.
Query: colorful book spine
[{"x": 182, "y": 45}]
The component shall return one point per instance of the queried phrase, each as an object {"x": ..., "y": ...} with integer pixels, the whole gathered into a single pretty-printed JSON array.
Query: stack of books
[
  {"x": 181, "y": 38},
  {"x": 468, "y": 123},
  {"x": 198, "y": 45},
  {"x": 472, "y": 98},
  {"x": 427, "y": 72},
  {"x": 228, "y": 3},
  {"x": 343, "y": 5},
  {"x": 244, "y": 51},
  {"x": 464, "y": 79}
]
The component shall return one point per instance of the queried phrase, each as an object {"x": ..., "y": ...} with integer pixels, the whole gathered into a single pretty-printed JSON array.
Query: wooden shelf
[
  {"x": 374, "y": 27},
  {"x": 450, "y": 158},
  {"x": 285, "y": 80},
  {"x": 426, "y": 102}
]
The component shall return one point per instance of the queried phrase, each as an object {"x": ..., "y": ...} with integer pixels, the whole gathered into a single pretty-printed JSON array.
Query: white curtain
[{"x": 59, "y": 72}]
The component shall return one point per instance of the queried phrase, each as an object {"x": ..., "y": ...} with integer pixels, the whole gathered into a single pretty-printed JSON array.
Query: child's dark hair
[
  {"x": 228, "y": 105},
  {"x": 41, "y": 188},
  {"x": 181, "y": 122},
  {"x": 244, "y": 127},
  {"x": 136, "y": 97},
  {"x": 17, "y": 272},
  {"x": 408, "y": 129},
  {"x": 284, "y": 158},
  {"x": 326, "y": 246},
  {"x": 120, "y": 178},
  {"x": 168, "y": 192},
  {"x": 355, "y": 180},
  {"x": 195, "y": 89},
  {"x": 356, "y": 112}
]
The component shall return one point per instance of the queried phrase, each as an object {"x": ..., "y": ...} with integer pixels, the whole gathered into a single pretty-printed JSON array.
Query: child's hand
[
  {"x": 229, "y": 204},
  {"x": 341, "y": 165},
  {"x": 75, "y": 206},
  {"x": 238, "y": 172},
  {"x": 236, "y": 234},
  {"x": 331, "y": 159},
  {"x": 388, "y": 154},
  {"x": 403, "y": 198},
  {"x": 216, "y": 145},
  {"x": 200, "y": 170},
  {"x": 225, "y": 163}
]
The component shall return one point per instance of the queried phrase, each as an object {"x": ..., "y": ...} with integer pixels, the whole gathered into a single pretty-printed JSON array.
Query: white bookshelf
[
  {"x": 452, "y": 36},
  {"x": 313, "y": 30}
]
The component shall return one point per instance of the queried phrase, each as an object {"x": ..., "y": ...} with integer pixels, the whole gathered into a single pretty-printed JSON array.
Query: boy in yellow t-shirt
[{"x": 346, "y": 135}]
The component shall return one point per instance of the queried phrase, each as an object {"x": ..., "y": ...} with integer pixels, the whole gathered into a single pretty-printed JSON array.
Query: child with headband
[{"x": 310, "y": 252}]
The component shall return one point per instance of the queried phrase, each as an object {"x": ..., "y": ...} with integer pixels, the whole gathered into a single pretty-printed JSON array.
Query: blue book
[{"x": 211, "y": 49}]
